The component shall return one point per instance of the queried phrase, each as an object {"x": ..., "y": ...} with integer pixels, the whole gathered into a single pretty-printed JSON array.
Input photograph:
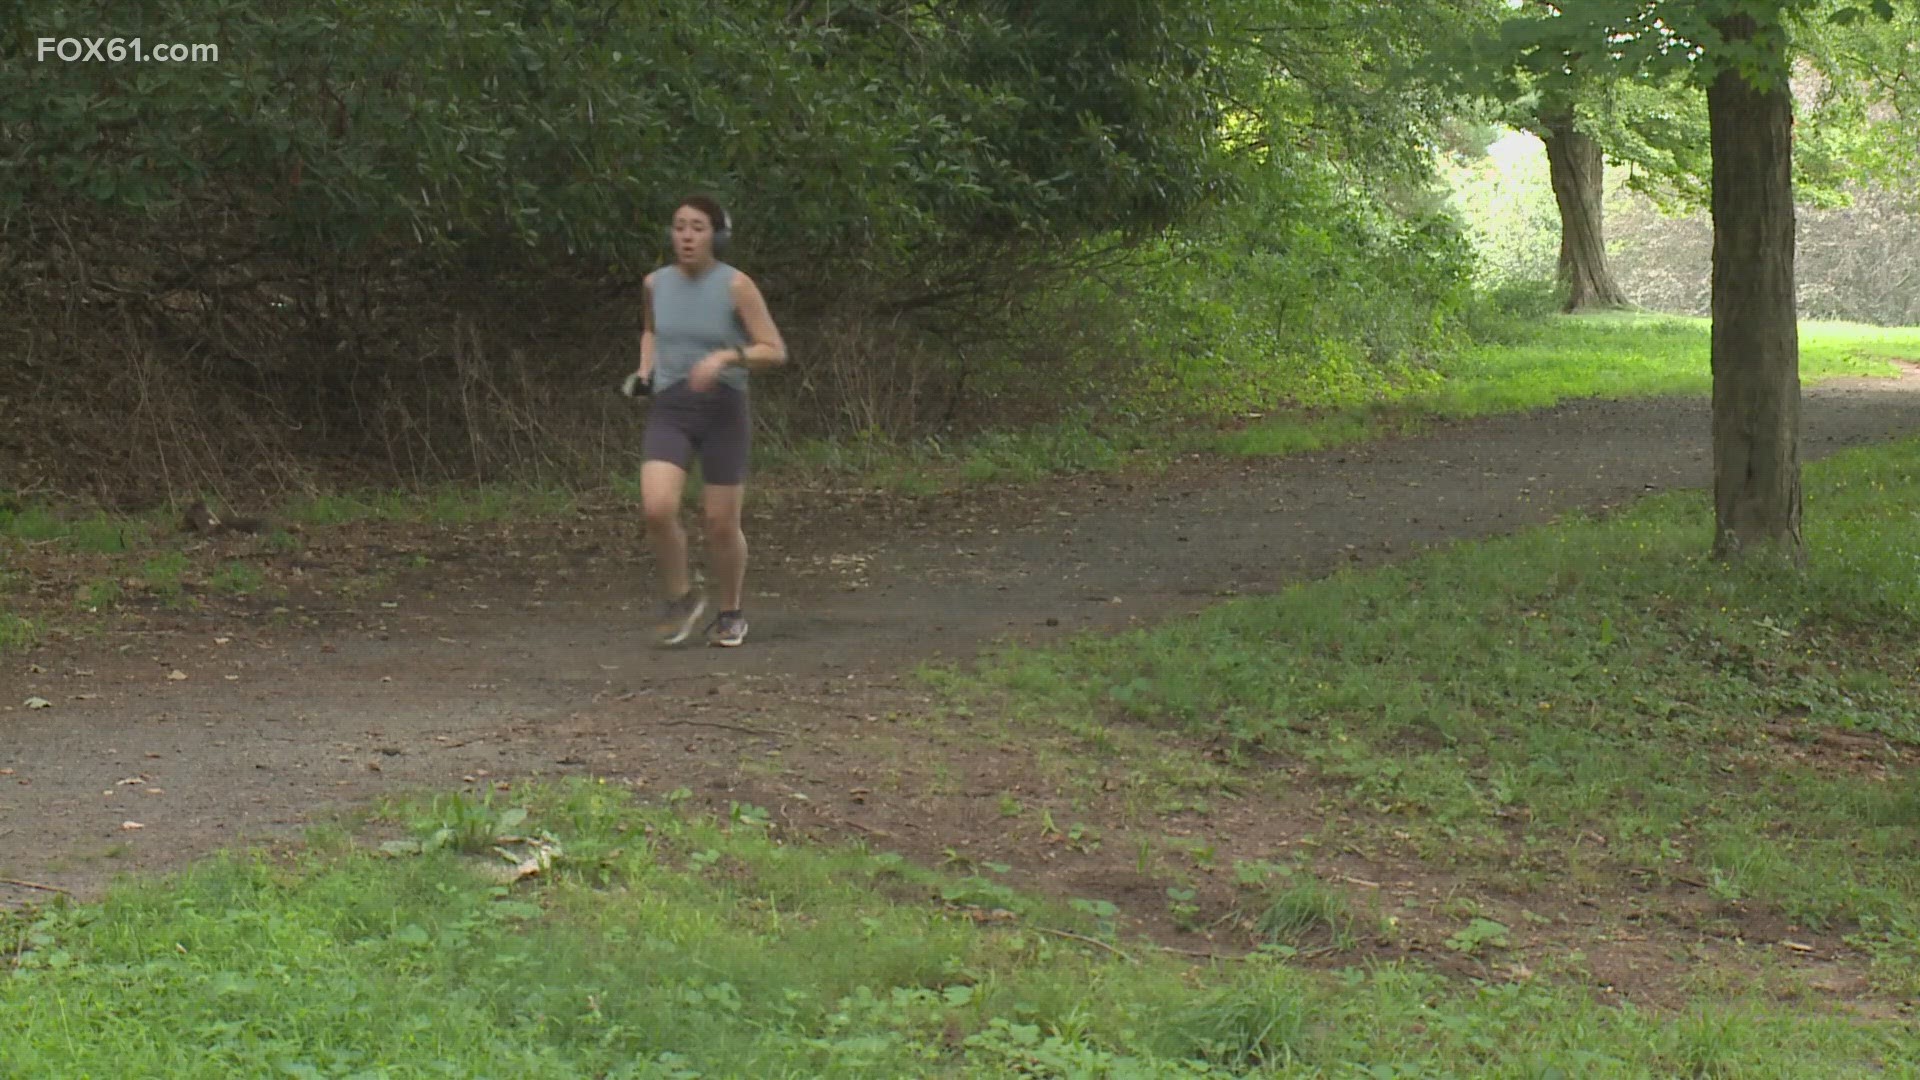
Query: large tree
[
  {"x": 1576, "y": 166},
  {"x": 1741, "y": 52},
  {"x": 1756, "y": 330},
  {"x": 1591, "y": 112}
]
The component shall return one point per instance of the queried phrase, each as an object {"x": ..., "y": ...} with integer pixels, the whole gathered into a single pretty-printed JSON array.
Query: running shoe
[
  {"x": 679, "y": 617},
  {"x": 728, "y": 629}
]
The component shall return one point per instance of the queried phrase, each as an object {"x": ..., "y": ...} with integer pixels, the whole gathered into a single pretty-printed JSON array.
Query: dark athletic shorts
[{"x": 682, "y": 422}]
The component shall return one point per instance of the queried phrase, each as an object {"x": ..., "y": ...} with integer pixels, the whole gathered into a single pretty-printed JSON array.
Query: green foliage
[
  {"x": 1628, "y": 73},
  {"x": 1309, "y": 294},
  {"x": 870, "y": 128},
  {"x": 1479, "y": 935}
]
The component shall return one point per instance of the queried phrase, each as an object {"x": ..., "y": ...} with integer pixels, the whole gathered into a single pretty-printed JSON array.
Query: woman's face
[{"x": 692, "y": 235}]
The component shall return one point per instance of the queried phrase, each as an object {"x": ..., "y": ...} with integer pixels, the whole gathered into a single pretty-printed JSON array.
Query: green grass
[
  {"x": 164, "y": 573},
  {"x": 1639, "y": 355},
  {"x": 238, "y": 578},
  {"x": 1609, "y": 356},
  {"x": 99, "y": 594},
  {"x": 98, "y": 532},
  {"x": 659, "y": 944},
  {"x": 16, "y": 634},
  {"x": 998, "y": 456},
  {"x": 1302, "y": 909},
  {"x": 449, "y": 504},
  {"x": 1597, "y": 676},
  {"x": 1534, "y": 364}
]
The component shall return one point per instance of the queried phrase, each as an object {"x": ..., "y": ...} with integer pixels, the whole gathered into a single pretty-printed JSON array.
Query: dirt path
[{"x": 526, "y": 654}]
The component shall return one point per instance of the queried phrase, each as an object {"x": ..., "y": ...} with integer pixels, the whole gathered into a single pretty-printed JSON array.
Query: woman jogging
[{"x": 706, "y": 327}]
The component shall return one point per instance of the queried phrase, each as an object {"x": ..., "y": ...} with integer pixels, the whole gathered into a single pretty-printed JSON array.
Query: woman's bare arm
[
  {"x": 769, "y": 349},
  {"x": 646, "y": 331}
]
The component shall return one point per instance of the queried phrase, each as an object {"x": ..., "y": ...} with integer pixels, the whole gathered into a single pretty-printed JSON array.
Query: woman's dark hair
[{"x": 706, "y": 204}]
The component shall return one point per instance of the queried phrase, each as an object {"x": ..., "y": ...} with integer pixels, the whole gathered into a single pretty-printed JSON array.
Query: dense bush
[
  {"x": 1310, "y": 293},
  {"x": 406, "y": 237},
  {"x": 403, "y": 240}
]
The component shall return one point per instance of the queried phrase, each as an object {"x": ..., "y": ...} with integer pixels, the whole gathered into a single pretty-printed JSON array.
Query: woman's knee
[
  {"x": 721, "y": 525},
  {"x": 661, "y": 487},
  {"x": 661, "y": 515}
]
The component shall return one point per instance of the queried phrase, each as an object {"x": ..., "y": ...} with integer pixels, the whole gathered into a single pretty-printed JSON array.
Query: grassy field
[
  {"x": 1585, "y": 704},
  {"x": 1588, "y": 356},
  {"x": 655, "y": 943}
]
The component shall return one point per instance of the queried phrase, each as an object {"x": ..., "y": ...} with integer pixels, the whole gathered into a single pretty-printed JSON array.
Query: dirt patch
[{"x": 480, "y": 655}]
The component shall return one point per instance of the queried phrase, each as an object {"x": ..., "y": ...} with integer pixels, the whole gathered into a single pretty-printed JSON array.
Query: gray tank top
[{"x": 691, "y": 318}]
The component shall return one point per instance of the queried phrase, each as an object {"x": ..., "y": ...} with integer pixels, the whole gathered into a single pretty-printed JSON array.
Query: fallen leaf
[
  {"x": 538, "y": 862},
  {"x": 233, "y": 678},
  {"x": 176, "y": 675},
  {"x": 131, "y": 825},
  {"x": 38, "y": 703},
  {"x": 1797, "y": 947},
  {"x": 221, "y": 640},
  {"x": 36, "y": 669}
]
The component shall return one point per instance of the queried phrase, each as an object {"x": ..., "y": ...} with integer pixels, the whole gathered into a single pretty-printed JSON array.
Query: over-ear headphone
[{"x": 722, "y": 234}]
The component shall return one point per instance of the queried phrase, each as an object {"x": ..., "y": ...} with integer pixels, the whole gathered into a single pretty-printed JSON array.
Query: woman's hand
[{"x": 706, "y": 374}]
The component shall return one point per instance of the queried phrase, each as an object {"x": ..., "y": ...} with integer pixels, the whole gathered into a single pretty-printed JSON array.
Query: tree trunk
[
  {"x": 1756, "y": 334},
  {"x": 1578, "y": 171}
]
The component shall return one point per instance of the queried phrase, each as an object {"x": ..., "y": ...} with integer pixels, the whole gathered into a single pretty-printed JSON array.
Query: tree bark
[
  {"x": 1578, "y": 171},
  {"x": 1756, "y": 334}
]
